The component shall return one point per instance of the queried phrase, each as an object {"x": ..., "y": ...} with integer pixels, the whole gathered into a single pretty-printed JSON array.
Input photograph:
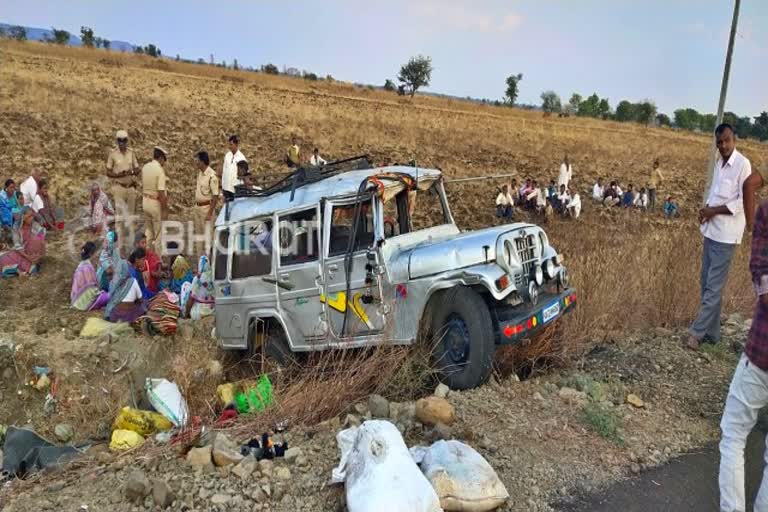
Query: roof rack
[{"x": 306, "y": 175}]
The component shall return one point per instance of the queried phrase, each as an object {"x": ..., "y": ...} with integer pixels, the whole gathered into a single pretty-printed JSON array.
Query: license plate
[{"x": 550, "y": 312}]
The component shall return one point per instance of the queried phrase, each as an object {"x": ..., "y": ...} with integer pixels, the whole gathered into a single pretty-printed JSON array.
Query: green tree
[
  {"x": 625, "y": 111},
  {"x": 687, "y": 118},
  {"x": 663, "y": 120},
  {"x": 574, "y": 102},
  {"x": 3, "y": 33},
  {"x": 646, "y": 112},
  {"x": 512, "y": 87},
  {"x": 308, "y": 75},
  {"x": 707, "y": 123},
  {"x": 589, "y": 107},
  {"x": 416, "y": 73},
  {"x": 731, "y": 118},
  {"x": 550, "y": 102},
  {"x": 139, "y": 50},
  {"x": 87, "y": 38},
  {"x": 270, "y": 69},
  {"x": 389, "y": 85},
  {"x": 106, "y": 43},
  {"x": 744, "y": 127},
  {"x": 152, "y": 50},
  {"x": 235, "y": 65},
  {"x": 60, "y": 36},
  {"x": 760, "y": 128},
  {"x": 604, "y": 109},
  {"x": 18, "y": 33}
]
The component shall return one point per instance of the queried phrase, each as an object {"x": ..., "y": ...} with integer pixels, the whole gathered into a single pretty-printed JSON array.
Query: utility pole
[{"x": 723, "y": 92}]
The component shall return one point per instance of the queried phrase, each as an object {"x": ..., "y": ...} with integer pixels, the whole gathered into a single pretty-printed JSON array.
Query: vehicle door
[
  {"x": 357, "y": 296},
  {"x": 299, "y": 275}
]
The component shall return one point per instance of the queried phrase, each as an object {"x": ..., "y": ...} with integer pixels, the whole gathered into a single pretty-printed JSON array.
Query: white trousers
[{"x": 746, "y": 396}]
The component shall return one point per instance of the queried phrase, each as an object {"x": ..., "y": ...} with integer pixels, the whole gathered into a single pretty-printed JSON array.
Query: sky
[{"x": 669, "y": 51}]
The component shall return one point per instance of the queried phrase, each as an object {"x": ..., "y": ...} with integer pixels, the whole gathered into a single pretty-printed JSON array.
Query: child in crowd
[
  {"x": 628, "y": 200},
  {"x": 670, "y": 207}
]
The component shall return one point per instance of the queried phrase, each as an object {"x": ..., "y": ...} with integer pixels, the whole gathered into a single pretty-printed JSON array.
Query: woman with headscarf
[
  {"x": 126, "y": 302},
  {"x": 108, "y": 259},
  {"x": 197, "y": 299},
  {"x": 85, "y": 294},
  {"x": 180, "y": 270},
  {"x": 102, "y": 212},
  {"x": 29, "y": 241}
]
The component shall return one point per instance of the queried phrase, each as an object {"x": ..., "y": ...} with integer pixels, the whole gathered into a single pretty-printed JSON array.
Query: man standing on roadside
[
  {"x": 748, "y": 392},
  {"x": 155, "y": 197},
  {"x": 122, "y": 169},
  {"x": 206, "y": 193},
  {"x": 722, "y": 225},
  {"x": 229, "y": 168}
]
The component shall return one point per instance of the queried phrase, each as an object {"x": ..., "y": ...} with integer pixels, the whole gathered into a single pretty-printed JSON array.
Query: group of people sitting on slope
[{"x": 142, "y": 290}]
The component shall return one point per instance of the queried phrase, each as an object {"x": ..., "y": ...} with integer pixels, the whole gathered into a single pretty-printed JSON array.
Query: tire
[
  {"x": 274, "y": 350},
  {"x": 461, "y": 337}
]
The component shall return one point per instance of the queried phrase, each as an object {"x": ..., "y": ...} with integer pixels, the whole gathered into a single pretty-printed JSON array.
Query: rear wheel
[
  {"x": 462, "y": 338},
  {"x": 269, "y": 348}
]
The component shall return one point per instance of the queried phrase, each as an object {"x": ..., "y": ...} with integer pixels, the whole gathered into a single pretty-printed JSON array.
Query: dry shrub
[
  {"x": 109, "y": 61},
  {"x": 233, "y": 78}
]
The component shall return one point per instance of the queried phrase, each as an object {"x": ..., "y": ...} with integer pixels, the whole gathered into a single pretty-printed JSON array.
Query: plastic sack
[
  {"x": 226, "y": 393},
  {"x": 462, "y": 478},
  {"x": 125, "y": 440},
  {"x": 95, "y": 327},
  {"x": 144, "y": 423},
  {"x": 379, "y": 474},
  {"x": 256, "y": 398},
  {"x": 166, "y": 398}
]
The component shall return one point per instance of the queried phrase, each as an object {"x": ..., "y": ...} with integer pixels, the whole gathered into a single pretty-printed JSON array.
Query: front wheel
[{"x": 462, "y": 338}]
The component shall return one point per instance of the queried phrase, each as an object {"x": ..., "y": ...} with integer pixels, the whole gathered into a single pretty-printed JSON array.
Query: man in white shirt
[
  {"x": 574, "y": 204},
  {"x": 28, "y": 187},
  {"x": 566, "y": 173},
  {"x": 722, "y": 225},
  {"x": 504, "y": 204},
  {"x": 316, "y": 160},
  {"x": 564, "y": 199},
  {"x": 229, "y": 168},
  {"x": 598, "y": 190}
]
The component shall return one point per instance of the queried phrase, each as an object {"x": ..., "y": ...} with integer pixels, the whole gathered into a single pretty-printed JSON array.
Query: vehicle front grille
[{"x": 526, "y": 252}]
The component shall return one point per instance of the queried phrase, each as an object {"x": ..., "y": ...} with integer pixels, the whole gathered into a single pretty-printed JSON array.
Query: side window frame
[
  {"x": 234, "y": 233},
  {"x": 377, "y": 217},
  {"x": 279, "y": 216}
]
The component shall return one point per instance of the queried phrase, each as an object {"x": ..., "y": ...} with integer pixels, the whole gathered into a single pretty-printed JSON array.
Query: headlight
[
  {"x": 533, "y": 293},
  {"x": 562, "y": 278},
  {"x": 538, "y": 275},
  {"x": 550, "y": 269}
]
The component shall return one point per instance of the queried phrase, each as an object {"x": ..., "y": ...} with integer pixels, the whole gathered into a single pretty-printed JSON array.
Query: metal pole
[{"x": 723, "y": 92}]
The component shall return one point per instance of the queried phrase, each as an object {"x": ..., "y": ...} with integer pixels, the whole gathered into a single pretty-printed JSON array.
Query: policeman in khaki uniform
[
  {"x": 206, "y": 194},
  {"x": 155, "y": 197},
  {"x": 122, "y": 168}
]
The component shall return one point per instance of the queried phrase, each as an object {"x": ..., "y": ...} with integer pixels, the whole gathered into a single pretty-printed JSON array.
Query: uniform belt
[
  {"x": 203, "y": 203},
  {"x": 123, "y": 184},
  {"x": 150, "y": 195}
]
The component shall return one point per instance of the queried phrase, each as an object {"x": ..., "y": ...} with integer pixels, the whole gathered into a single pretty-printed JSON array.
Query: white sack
[{"x": 166, "y": 398}]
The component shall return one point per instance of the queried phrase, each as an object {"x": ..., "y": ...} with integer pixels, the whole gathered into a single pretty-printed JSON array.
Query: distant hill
[{"x": 43, "y": 34}]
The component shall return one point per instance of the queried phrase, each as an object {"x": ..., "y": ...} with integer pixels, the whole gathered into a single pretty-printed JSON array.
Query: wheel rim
[{"x": 456, "y": 341}]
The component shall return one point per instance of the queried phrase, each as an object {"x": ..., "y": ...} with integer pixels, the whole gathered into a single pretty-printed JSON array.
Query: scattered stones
[
  {"x": 220, "y": 499},
  {"x": 537, "y": 396},
  {"x": 200, "y": 458},
  {"x": 291, "y": 454},
  {"x": 443, "y": 431},
  {"x": 266, "y": 467},
  {"x": 64, "y": 432},
  {"x": 442, "y": 390},
  {"x": 379, "y": 406},
  {"x": 572, "y": 396},
  {"x": 137, "y": 486},
  {"x": 162, "y": 494},
  {"x": 225, "y": 451},
  {"x": 433, "y": 410},
  {"x": 246, "y": 467},
  {"x": 635, "y": 401},
  {"x": 663, "y": 332},
  {"x": 258, "y": 495},
  {"x": 215, "y": 370}
]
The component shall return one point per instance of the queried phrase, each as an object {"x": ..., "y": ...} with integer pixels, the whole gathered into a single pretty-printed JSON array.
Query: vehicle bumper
[{"x": 517, "y": 323}]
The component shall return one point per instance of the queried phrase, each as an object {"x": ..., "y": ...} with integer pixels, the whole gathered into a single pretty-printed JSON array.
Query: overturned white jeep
[{"x": 349, "y": 255}]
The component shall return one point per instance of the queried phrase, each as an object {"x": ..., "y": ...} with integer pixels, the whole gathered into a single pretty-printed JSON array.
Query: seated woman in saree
[
  {"x": 29, "y": 241},
  {"x": 49, "y": 216},
  {"x": 126, "y": 302},
  {"x": 102, "y": 212},
  {"x": 197, "y": 299},
  {"x": 108, "y": 259},
  {"x": 180, "y": 271},
  {"x": 152, "y": 272},
  {"x": 85, "y": 294}
]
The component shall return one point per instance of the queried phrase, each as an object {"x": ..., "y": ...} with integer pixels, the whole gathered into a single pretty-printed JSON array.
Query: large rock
[
  {"x": 137, "y": 486},
  {"x": 433, "y": 410},
  {"x": 379, "y": 406},
  {"x": 442, "y": 390},
  {"x": 246, "y": 468},
  {"x": 225, "y": 451},
  {"x": 220, "y": 499},
  {"x": 200, "y": 458},
  {"x": 162, "y": 494},
  {"x": 266, "y": 467},
  {"x": 64, "y": 432},
  {"x": 291, "y": 454},
  {"x": 283, "y": 473}
]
